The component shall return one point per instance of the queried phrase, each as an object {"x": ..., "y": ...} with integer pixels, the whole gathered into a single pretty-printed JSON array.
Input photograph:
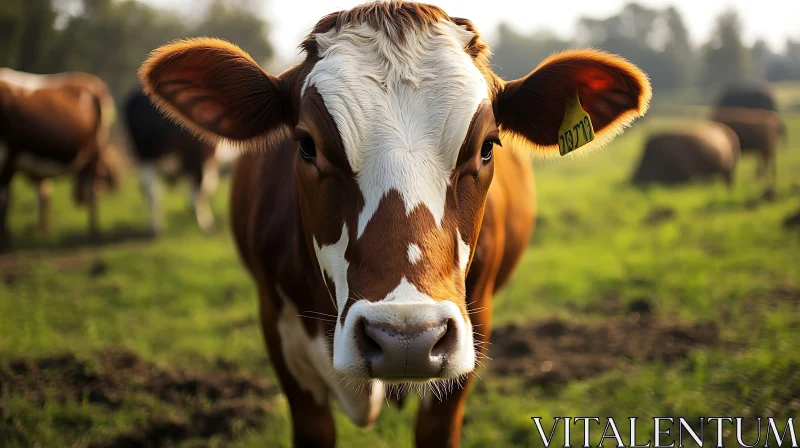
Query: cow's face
[
  {"x": 394, "y": 160},
  {"x": 395, "y": 116}
]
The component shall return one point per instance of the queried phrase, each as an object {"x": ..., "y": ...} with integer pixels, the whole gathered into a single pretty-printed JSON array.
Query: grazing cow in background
[
  {"x": 370, "y": 213},
  {"x": 163, "y": 147},
  {"x": 759, "y": 131},
  {"x": 678, "y": 156},
  {"x": 52, "y": 125},
  {"x": 750, "y": 95}
]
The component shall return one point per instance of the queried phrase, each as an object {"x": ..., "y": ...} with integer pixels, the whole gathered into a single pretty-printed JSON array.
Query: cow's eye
[
  {"x": 488, "y": 147},
  {"x": 308, "y": 151}
]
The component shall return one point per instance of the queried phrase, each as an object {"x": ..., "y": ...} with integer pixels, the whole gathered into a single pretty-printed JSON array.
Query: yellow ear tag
[{"x": 576, "y": 130}]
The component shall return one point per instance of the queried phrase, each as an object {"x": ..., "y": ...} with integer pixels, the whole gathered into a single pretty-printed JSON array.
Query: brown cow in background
[
  {"x": 759, "y": 131},
  {"x": 678, "y": 156},
  {"x": 750, "y": 95},
  {"x": 51, "y": 125}
]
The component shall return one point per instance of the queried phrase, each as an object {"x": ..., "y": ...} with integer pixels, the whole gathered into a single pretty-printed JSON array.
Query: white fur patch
[
  {"x": 148, "y": 177},
  {"x": 29, "y": 82},
  {"x": 332, "y": 262},
  {"x": 201, "y": 195},
  {"x": 414, "y": 253},
  {"x": 169, "y": 164},
  {"x": 309, "y": 362},
  {"x": 463, "y": 252},
  {"x": 298, "y": 351},
  {"x": 225, "y": 153},
  {"x": 402, "y": 108},
  {"x": 406, "y": 292}
]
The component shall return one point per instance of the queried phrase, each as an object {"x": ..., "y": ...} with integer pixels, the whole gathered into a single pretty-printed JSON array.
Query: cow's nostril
[
  {"x": 394, "y": 351},
  {"x": 447, "y": 342},
  {"x": 369, "y": 347}
]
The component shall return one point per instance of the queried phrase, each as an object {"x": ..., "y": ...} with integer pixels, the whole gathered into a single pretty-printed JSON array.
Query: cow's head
[{"x": 395, "y": 114}]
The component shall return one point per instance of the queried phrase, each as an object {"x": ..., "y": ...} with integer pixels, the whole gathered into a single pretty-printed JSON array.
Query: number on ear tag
[{"x": 576, "y": 130}]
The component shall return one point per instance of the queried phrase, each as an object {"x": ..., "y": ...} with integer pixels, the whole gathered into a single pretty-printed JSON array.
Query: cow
[
  {"x": 677, "y": 156},
  {"x": 385, "y": 195},
  {"x": 750, "y": 95},
  {"x": 53, "y": 125},
  {"x": 162, "y": 147},
  {"x": 759, "y": 132}
]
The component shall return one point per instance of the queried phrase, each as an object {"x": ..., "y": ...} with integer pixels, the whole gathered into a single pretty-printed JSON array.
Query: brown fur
[
  {"x": 678, "y": 156},
  {"x": 55, "y": 124},
  {"x": 759, "y": 131},
  {"x": 280, "y": 202}
]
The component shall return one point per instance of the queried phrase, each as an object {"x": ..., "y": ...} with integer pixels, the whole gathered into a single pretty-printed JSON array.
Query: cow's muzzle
[{"x": 403, "y": 351}]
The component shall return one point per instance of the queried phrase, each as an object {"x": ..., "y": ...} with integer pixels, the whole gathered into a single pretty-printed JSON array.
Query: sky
[{"x": 772, "y": 20}]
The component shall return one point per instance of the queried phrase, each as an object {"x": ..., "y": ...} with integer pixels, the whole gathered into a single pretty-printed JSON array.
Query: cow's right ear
[{"x": 216, "y": 90}]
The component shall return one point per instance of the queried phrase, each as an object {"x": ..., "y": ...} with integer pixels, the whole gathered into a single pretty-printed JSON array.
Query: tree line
[
  {"x": 657, "y": 40},
  {"x": 110, "y": 38}
]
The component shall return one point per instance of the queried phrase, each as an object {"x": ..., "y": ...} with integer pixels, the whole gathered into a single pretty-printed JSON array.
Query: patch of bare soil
[
  {"x": 212, "y": 402},
  {"x": 556, "y": 352},
  {"x": 792, "y": 221},
  {"x": 19, "y": 266},
  {"x": 659, "y": 214}
]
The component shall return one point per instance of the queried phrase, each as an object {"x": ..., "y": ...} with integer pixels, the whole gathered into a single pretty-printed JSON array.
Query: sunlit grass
[{"x": 185, "y": 300}]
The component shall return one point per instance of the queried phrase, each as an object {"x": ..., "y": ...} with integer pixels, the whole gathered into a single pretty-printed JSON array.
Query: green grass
[{"x": 185, "y": 300}]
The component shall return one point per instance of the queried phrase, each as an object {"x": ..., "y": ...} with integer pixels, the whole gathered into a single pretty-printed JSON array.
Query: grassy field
[{"x": 666, "y": 302}]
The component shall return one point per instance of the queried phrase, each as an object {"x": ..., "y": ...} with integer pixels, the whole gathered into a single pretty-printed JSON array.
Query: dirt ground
[
  {"x": 214, "y": 403},
  {"x": 556, "y": 352}
]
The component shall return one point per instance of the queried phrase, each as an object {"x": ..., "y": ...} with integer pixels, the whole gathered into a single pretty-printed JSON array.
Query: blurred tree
[
  {"x": 762, "y": 58},
  {"x": 514, "y": 52},
  {"x": 26, "y": 30},
  {"x": 654, "y": 39},
  {"x": 726, "y": 59},
  {"x": 787, "y": 66},
  {"x": 238, "y": 22},
  {"x": 678, "y": 49},
  {"x": 12, "y": 20},
  {"x": 111, "y": 38}
]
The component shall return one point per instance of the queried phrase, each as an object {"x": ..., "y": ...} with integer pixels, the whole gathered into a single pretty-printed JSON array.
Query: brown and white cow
[
  {"x": 51, "y": 125},
  {"x": 369, "y": 219}
]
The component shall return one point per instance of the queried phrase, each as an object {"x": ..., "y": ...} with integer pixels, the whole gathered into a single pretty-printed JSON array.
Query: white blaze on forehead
[
  {"x": 332, "y": 262},
  {"x": 414, "y": 253},
  {"x": 402, "y": 108}
]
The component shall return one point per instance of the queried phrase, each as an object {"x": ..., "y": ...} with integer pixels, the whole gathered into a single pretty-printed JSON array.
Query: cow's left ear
[
  {"x": 216, "y": 90},
  {"x": 612, "y": 91}
]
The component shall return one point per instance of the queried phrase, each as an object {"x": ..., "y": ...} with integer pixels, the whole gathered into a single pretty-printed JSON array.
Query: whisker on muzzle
[
  {"x": 321, "y": 314},
  {"x": 316, "y": 318}
]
